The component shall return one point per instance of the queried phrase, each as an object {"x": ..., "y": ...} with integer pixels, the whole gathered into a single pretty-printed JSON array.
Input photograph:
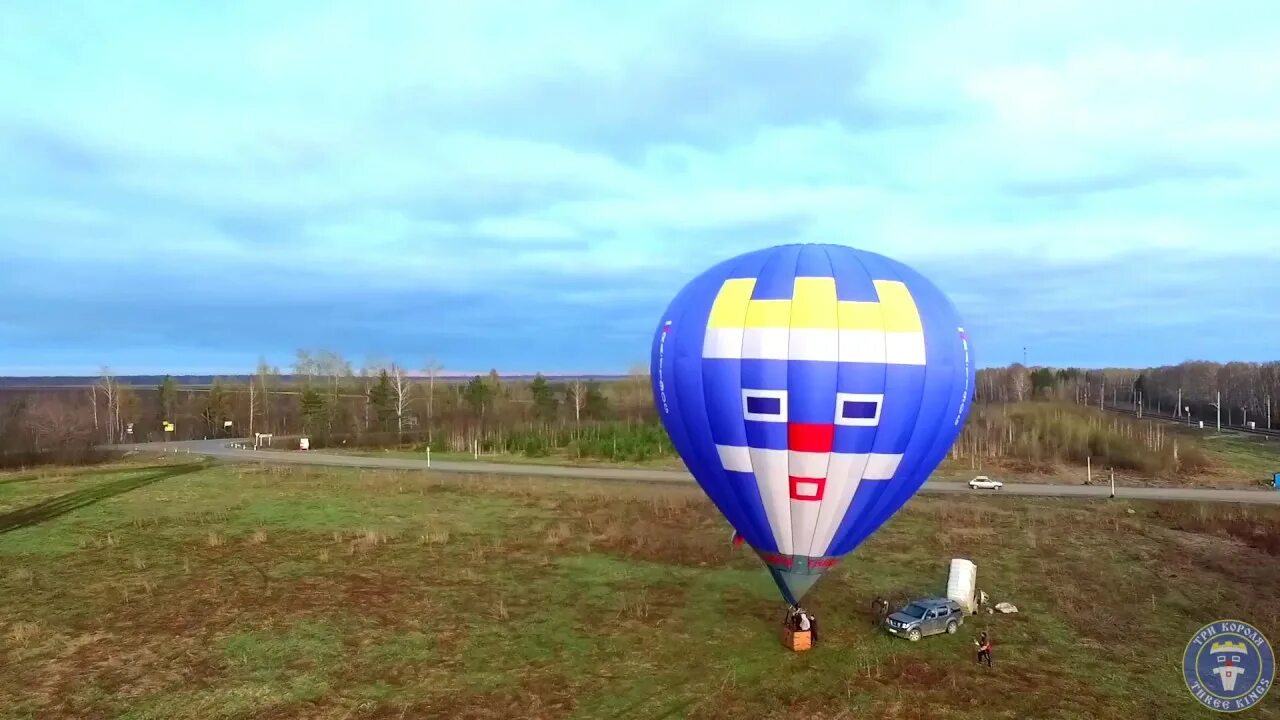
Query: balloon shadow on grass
[
  {"x": 63, "y": 504},
  {"x": 52, "y": 475}
]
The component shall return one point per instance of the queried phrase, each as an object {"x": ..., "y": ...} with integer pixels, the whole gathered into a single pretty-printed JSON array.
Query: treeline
[
  {"x": 1248, "y": 391},
  {"x": 385, "y": 404},
  {"x": 331, "y": 402}
]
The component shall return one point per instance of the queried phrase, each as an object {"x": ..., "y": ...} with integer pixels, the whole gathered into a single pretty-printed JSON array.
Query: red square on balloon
[
  {"x": 807, "y": 488},
  {"x": 811, "y": 437}
]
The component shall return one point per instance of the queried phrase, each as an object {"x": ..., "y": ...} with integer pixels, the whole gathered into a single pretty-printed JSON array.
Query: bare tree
[
  {"x": 264, "y": 373},
  {"x": 431, "y": 368},
  {"x": 635, "y": 391},
  {"x": 578, "y": 395},
  {"x": 1019, "y": 382},
  {"x": 366, "y": 381},
  {"x": 336, "y": 368},
  {"x": 305, "y": 365},
  {"x": 110, "y": 389},
  {"x": 403, "y": 394},
  {"x": 253, "y": 404}
]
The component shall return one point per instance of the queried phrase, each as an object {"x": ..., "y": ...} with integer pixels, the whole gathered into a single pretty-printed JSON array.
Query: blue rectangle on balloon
[
  {"x": 859, "y": 409},
  {"x": 764, "y": 405}
]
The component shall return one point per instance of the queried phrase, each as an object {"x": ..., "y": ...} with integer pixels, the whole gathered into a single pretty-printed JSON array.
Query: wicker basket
[{"x": 797, "y": 640}]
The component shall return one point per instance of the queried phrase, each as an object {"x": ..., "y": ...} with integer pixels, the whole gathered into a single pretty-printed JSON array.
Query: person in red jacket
[{"x": 984, "y": 648}]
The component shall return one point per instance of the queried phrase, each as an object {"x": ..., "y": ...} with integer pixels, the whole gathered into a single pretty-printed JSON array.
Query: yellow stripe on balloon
[
  {"x": 730, "y": 307},
  {"x": 814, "y": 305}
]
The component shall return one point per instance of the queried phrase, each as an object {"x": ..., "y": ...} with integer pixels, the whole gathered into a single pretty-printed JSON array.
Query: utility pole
[
  {"x": 1217, "y": 404},
  {"x": 1113, "y": 482},
  {"x": 1178, "y": 410},
  {"x": 1024, "y": 355}
]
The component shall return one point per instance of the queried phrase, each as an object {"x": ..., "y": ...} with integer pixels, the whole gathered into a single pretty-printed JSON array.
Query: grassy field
[
  {"x": 1245, "y": 455},
  {"x": 187, "y": 591}
]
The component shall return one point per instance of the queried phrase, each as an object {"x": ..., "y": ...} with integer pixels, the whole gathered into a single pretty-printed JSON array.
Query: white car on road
[{"x": 985, "y": 483}]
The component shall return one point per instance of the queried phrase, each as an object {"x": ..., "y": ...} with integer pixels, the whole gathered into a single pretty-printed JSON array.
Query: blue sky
[{"x": 185, "y": 187}]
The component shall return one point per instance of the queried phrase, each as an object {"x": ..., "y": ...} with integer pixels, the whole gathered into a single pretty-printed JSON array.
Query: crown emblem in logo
[{"x": 1229, "y": 647}]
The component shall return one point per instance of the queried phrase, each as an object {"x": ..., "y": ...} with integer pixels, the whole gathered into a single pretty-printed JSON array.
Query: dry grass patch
[
  {"x": 436, "y": 537},
  {"x": 1258, "y": 528},
  {"x": 21, "y": 634},
  {"x": 558, "y": 534}
]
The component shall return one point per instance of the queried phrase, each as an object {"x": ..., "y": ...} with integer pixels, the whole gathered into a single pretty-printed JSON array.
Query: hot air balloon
[{"x": 811, "y": 390}]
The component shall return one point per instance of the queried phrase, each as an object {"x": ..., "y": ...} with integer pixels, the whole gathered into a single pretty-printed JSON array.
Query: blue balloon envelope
[{"x": 811, "y": 390}]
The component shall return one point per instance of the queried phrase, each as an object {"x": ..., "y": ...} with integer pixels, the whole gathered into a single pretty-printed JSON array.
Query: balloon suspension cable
[{"x": 782, "y": 587}]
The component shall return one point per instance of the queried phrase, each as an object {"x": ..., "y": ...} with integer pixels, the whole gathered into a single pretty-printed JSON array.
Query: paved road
[{"x": 222, "y": 450}]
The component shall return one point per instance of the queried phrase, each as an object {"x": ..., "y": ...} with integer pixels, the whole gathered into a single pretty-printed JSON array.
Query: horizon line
[{"x": 443, "y": 373}]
